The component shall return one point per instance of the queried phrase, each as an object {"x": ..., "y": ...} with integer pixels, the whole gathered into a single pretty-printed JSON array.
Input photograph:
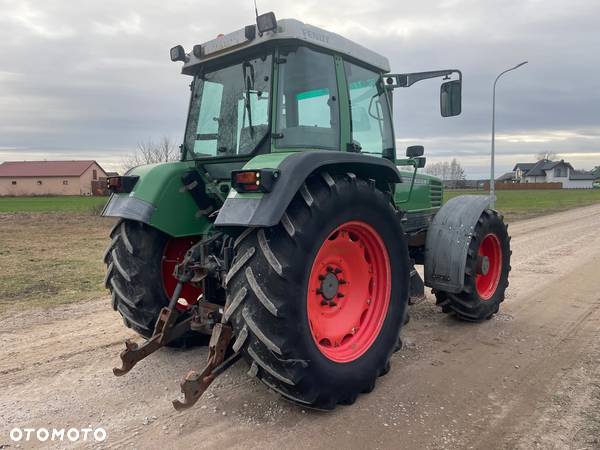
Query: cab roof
[{"x": 287, "y": 29}]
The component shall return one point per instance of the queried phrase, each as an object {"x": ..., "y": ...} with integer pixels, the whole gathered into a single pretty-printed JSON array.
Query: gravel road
[{"x": 529, "y": 378}]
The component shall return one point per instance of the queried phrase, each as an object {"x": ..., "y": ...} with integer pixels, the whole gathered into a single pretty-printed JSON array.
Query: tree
[
  {"x": 448, "y": 171},
  {"x": 546, "y": 156},
  {"x": 457, "y": 173},
  {"x": 151, "y": 152}
]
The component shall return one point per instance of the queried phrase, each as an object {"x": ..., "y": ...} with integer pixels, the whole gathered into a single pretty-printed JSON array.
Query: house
[
  {"x": 27, "y": 178},
  {"x": 521, "y": 169},
  {"x": 508, "y": 177},
  {"x": 546, "y": 171}
]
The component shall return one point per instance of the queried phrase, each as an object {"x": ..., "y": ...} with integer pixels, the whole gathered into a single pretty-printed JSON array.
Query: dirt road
[{"x": 528, "y": 378}]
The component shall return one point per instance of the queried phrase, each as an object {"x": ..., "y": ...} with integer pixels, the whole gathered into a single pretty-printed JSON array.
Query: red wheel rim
[
  {"x": 348, "y": 291},
  {"x": 174, "y": 252},
  {"x": 489, "y": 266}
]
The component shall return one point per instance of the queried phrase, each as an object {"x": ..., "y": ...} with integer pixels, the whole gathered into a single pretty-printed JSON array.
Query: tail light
[
  {"x": 254, "y": 180},
  {"x": 122, "y": 184}
]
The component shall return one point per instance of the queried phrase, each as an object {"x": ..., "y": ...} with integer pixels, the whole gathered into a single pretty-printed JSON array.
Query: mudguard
[
  {"x": 266, "y": 210},
  {"x": 448, "y": 240},
  {"x": 159, "y": 200}
]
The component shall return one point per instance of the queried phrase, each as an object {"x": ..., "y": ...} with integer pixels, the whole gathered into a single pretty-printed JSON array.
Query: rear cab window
[{"x": 307, "y": 103}]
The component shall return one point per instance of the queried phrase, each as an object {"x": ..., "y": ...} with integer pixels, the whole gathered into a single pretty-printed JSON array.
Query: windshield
[{"x": 229, "y": 112}]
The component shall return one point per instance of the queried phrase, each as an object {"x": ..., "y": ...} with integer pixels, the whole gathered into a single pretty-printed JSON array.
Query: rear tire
[
  {"x": 134, "y": 278},
  {"x": 482, "y": 293},
  {"x": 269, "y": 294}
]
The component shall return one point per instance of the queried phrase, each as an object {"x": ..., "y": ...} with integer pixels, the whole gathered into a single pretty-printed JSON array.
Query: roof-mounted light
[
  {"x": 266, "y": 22},
  {"x": 178, "y": 54}
]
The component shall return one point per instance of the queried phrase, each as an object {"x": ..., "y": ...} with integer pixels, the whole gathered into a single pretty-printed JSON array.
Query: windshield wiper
[{"x": 248, "y": 84}]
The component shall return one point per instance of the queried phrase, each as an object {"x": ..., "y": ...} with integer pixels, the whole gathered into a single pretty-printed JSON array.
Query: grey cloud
[{"x": 94, "y": 77}]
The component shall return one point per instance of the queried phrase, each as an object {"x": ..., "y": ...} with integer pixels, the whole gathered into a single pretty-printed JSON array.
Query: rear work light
[
  {"x": 122, "y": 184},
  {"x": 254, "y": 180}
]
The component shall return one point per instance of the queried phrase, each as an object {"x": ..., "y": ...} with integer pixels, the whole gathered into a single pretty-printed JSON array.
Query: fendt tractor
[{"x": 289, "y": 230}]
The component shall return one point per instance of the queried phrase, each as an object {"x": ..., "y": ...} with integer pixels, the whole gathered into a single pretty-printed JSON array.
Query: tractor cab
[{"x": 285, "y": 86}]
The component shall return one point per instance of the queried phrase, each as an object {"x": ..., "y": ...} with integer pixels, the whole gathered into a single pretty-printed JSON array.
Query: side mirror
[
  {"x": 450, "y": 98},
  {"x": 415, "y": 150}
]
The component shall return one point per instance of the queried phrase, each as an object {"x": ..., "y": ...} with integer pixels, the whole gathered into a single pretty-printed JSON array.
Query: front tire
[
  {"x": 282, "y": 281},
  {"x": 486, "y": 272}
]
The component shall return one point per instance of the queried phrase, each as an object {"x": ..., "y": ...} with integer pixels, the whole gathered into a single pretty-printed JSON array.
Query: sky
[{"x": 91, "y": 79}]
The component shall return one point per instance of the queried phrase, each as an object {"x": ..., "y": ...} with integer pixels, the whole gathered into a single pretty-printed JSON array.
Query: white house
[{"x": 546, "y": 171}]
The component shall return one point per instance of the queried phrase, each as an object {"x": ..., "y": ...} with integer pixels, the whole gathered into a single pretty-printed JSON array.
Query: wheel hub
[
  {"x": 483, "y": 265},
  {"x": 329, "y": 286}
]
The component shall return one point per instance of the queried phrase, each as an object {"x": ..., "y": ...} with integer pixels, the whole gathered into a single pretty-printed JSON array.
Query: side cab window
[{"x": 370, "y": 112}]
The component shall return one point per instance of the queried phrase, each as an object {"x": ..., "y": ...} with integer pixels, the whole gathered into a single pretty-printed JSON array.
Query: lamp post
[{"x": 492, "y": 178}]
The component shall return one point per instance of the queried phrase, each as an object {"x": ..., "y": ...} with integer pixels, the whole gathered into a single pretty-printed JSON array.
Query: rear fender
[
  {"x": 266, "y": 210},
  {"x": 448, "y": 240},
  {"x": 160, "y": 200}
]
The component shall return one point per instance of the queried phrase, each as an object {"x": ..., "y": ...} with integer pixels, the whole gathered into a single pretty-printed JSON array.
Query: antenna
[{"x": 255, "y": 9}]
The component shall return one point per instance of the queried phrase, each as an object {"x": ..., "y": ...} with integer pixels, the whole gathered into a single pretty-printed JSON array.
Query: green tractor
[{"x": 289, "y": 230}]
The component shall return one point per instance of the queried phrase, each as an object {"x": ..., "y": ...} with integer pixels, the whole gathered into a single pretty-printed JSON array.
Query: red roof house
[{"x": 26, "y": 178}]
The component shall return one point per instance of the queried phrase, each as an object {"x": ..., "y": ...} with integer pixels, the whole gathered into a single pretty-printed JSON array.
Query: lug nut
[
  {"x": 319, "y": 291},
  {"x": 342, "y": 281},
  {"x": 329, "y": 269},
  {"x": 337, "y": 270},
  {"x": 340, "y": 295},
  {"x": 321, "y": 277},
  {"x": 324, "y": 302},
  {"x": 332, "y": 303}
]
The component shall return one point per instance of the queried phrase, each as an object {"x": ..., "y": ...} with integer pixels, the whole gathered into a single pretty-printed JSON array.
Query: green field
[
  {"x": 51, "y": 247},
  {"x": 529, "y": 203},
  {"x": 515, "y": 204},
  {"x": 58, "y": 204}
]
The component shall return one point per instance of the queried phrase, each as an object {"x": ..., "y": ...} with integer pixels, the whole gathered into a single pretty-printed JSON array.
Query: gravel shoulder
[{"x": 528, "y": 378}]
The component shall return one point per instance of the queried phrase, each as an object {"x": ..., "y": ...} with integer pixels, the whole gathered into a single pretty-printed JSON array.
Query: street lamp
[{"x": 492, "y": 178}]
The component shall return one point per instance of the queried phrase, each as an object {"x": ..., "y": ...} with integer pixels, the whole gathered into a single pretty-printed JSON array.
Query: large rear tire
[
  {"x": 486, "y": 272},
  {"x": 139, "y": 261},
  {"x": 317, "y": 302}
]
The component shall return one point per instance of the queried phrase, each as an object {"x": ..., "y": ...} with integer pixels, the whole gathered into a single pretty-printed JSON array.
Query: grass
[
  {"x": 50, "y": 259},
  {"x": 51, "y": 247},
  {"x": 58, "y": 204},
  {"x": 521, "y": 204}
]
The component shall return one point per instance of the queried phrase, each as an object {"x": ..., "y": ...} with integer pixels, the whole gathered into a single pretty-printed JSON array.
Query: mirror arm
[
  {"x": 408, "y": 79},
  {"x": 412, "y": 182}
]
